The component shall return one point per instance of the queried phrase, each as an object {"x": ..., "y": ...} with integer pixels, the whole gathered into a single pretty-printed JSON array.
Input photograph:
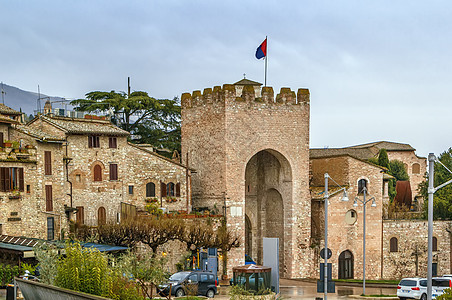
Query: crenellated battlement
[{"x": 228, "y": 94}]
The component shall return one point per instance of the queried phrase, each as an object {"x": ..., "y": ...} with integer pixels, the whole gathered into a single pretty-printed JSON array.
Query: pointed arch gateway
[{"x": 268, "y": 195}]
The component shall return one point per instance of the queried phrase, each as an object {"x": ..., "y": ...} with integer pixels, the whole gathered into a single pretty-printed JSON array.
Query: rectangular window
[
  {"x": 49, "y": 198},
  {"x": 112, "y": 142},
  {"x": 80, "y": 216},
  {"x": 113, "y": 172},
  {"x": 93, "y": 141},
  {"x": 130, "y": 189},
  {"x": 178, "y": 189},
  {"x": 1, "y": 139},
  {"x": 50, "y": 228},
  {"x": 11, "y": 179},
  {"x": 48, "y": 163},
  {"x": 28, "y": 189}
]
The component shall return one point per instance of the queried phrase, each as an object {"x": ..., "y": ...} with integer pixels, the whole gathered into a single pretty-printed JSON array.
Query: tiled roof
[
  {"x": 85, "y": 126},
  {"x": 6, "y": 119},
  {"x": 363, "y": 152},
  {"x": 6, "y": 110},
  {"x": 389, "y": 146},
  {"x": 41, "y": 135},
  {"x": 245, "y": 81}
]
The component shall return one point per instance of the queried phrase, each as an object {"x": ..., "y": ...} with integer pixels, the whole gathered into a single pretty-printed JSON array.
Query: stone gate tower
[{"x": 250, "y": 151}]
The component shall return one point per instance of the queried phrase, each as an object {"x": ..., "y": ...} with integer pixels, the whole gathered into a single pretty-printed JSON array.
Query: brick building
[{"x": 60, "y": 166}]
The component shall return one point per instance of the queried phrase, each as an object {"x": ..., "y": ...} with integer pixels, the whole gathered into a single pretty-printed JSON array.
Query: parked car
[
  {"x": 204, "y": 284},
  {"x": 412, "y": 288},
  {"x": 416, "y": 288},
  {"x": 439, "y": 284}
]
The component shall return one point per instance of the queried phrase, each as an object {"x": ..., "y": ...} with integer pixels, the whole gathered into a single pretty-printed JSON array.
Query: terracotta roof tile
[
  {"x": 6, "y": 110},
  {"x": 34, "y": 132},
  {"x": 85, "y": 126}
]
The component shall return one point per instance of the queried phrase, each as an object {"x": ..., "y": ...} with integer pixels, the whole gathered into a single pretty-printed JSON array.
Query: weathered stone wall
[
  {"x": 342, "y": 233},
  {"x": 411, "y": 258},
  {"x": 136, "y": 167},
  {"x": 247, "y": 126},
  {"x": 27, "y": 216}
]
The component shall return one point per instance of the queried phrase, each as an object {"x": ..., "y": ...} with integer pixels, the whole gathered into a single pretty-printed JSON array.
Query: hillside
[{"x": 25, "y": 100}]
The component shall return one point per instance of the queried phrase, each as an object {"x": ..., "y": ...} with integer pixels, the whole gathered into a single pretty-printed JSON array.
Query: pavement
[{"x": 299, "y": 289}]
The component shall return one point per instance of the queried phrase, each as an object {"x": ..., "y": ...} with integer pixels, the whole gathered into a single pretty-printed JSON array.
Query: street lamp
[
  {"x": 431, "y": 191},
  {"x": 355, "y": 204},
  {"x": 325, "y": 196}
]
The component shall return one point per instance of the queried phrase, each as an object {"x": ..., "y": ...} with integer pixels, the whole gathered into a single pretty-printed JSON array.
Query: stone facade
[
  {"x": 64, "y": 170},
  {"x": 229, "y": 140},
  {"x": 345, "y": 221},
  {"x": 409, "y": 258}
]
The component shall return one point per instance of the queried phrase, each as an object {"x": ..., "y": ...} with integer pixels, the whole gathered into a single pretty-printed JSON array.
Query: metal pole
[
  {"x": 364, "y": 242},
  {"x": 266, "y": 55},
  {"x": 431, "y": 190},
  {"x": 325, "y": 267}
]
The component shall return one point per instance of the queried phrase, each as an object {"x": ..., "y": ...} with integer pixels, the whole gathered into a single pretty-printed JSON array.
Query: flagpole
[{"x": 266, "y": 55}]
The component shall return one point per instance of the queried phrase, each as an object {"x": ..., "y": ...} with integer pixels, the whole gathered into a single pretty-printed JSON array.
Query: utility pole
[{"x": 128, "y": 87}]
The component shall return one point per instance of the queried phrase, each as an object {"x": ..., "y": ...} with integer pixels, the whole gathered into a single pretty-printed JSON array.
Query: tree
[
  {"x": 153, "y": 121},
  {"x": 383, "y": 159},
  {"x": 442, "y": 198},
  {"x": 156, "y": 232}
]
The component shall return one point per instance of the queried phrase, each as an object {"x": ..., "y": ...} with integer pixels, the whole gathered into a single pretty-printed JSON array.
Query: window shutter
[
  {"x": 7, "y": 179},
  {"x": 101, "y": 216},
  {"x": 2, "y": 180},
  {"x": 80, "y": 216},
  {"x": 90, "y": 142},
  {"x": 178, "y": 189},
  {"x": 113, "y": 172},
  {"x": 1, "y": 139},
  {"x": 48, "y": 162},
  {"x": 21, "y": 179},
  {"x": 49, "y": 202},
  {"x": 97, "y": 173},
  {"x": 162, "y": 189}
]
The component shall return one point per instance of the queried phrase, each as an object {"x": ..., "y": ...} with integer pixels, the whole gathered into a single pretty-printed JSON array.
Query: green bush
[
  {"x": 447, "y": 295},
  {"x": 7, "y": 274}
]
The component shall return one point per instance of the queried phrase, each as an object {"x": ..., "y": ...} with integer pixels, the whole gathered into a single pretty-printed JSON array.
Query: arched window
[
  {"x": 170, "y": 189},
  {"x": 101, "y": 216},
  {"x": 362, "y": 183},
  {"x": 97, "y": 173},
  {"x": 416, "y": 168},
  {"x": 393, "y": 245},
  {"x": 150, "y": 189},
  {"x": 434, "y": 244}
]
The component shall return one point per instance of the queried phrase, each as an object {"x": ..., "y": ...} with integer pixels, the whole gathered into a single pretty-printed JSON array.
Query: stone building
[
  {"x": 65, "y": 165},
  {"x": 251, "y": 155},
  {"x": 395, "y": 248}
]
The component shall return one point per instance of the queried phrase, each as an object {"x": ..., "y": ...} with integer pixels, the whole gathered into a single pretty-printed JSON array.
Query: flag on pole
[{"x": 262, "y": 50}]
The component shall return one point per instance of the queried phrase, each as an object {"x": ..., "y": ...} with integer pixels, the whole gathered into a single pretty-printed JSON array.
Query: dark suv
[{"x": 190, "y": 282}]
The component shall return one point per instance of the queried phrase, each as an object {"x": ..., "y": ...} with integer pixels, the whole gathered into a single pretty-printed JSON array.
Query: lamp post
[
  {"x": 326, "y": 196},
  {"x": 355, "y": 204},
  {"x": 431, "y": 191}
]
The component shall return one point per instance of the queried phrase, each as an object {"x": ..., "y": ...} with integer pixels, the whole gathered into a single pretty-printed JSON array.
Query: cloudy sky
[{"x": 377, "y": 70}]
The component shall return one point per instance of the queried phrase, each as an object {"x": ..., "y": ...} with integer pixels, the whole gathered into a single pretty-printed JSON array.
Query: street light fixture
[
  {"x": 326, "y": 196},
  {"x": 355, "y": 204},
  {"x": 431, "y": 190}
]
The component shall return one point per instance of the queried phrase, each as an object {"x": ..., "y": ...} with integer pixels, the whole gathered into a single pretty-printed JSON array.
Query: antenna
[
  {"x": 3, "y": 94},
  {"x": 128, "y": 87},
  {"x": 39, "y": 100}
]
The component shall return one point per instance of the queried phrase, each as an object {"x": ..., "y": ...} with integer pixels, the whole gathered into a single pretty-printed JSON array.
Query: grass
[{"x": 395, "y": 282}]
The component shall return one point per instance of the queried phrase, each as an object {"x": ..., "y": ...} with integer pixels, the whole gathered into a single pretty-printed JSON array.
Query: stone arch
[{"x": 268, "y": 197}]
